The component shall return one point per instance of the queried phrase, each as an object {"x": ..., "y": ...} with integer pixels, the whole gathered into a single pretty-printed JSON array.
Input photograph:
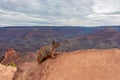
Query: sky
[{"x": 59, "y": 12}]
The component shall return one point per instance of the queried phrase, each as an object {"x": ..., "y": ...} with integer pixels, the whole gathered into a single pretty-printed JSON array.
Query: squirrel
[{"x": 47, "y": 51}]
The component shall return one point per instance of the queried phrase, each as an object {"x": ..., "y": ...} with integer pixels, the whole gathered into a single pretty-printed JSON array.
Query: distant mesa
[
  {"x": 110, "y": 29},
  {"x": 30, "y": 39}
]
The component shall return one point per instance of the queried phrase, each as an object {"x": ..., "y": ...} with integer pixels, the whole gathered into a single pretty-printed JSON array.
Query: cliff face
[{"x": 77, "y": 65}]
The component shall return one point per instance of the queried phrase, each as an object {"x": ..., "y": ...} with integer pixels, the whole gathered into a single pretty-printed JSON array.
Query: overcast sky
[{"x": 59, "y": 12}]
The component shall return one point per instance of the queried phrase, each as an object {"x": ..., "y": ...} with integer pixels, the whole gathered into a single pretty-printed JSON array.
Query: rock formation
[
  {"x": 76, "y": 65},
  {"x": 9, "y": 56},
  {"x": 6, "y": 72}
]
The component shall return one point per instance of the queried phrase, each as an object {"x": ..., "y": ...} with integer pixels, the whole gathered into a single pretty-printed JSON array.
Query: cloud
[
  {"x": 59, "y": 12},
  {"x": 106, "y": 6},
  {"x": 105, "y": 12}
]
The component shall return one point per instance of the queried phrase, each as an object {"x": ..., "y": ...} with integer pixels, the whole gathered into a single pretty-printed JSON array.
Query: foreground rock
[
  {"x": 77, "y": 65},
  {"x": 6, "y": 72}
]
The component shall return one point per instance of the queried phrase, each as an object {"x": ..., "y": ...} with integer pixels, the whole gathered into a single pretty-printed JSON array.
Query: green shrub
[{"x": 12, "y": 64}]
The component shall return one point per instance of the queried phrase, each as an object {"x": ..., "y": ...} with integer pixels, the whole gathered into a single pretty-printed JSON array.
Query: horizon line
[{"x": 63, "y": 26}]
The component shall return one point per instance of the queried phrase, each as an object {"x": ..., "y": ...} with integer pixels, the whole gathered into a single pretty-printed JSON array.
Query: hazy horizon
[
  {"x": 87, "y": 13},
  {"x": 59, "y": 26}
]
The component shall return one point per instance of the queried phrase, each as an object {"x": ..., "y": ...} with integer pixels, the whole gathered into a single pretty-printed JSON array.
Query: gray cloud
[
  {"x": 59, "y": 12},
  {"x": 106, "y": 12}
]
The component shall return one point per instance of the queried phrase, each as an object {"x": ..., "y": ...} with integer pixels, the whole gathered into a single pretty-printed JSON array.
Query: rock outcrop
[
  {"x": 76, "y": 65},
  {"x": 6, "y": 72},
  {"x": 9, "y": 56},
  {"x": 10, "y": 52}
]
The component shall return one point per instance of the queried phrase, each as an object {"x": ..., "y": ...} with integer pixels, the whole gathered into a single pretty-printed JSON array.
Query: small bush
[{"x": 12, "y": 64}]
